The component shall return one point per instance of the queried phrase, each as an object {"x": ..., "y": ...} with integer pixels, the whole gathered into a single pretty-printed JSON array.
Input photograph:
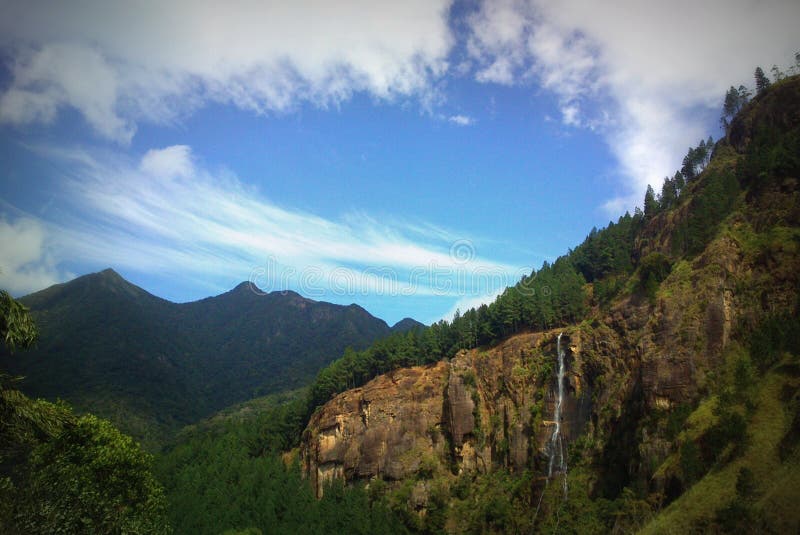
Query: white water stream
[{"x": 556, "y": 449}]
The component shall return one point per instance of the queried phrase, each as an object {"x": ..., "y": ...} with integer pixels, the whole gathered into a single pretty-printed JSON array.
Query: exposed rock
[
  {"x": 470, "y": 414},
  {"x": 381, "y": 429}
]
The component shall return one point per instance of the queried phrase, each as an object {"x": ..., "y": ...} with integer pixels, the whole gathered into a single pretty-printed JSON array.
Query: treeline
[{"x": 550, "y": 297}]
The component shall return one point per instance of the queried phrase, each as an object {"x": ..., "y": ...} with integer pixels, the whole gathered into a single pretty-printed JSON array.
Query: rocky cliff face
[
  {"x": 385, "y": 428},
  {"x": 480, "y": 410}
]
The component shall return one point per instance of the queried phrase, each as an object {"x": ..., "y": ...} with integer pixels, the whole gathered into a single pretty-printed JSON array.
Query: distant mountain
[
  {"x": 150, "y": 365},
  {"x": 406, "y": 324}
]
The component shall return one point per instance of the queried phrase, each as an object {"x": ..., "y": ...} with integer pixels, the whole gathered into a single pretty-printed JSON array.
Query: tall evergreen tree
[
  {"x": 668, "y": 194},
  {"x": 762, "y": 82},
  {"x": 650, "y": 203}
]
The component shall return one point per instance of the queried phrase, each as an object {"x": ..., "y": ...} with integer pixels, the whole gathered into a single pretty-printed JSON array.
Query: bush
[{"x": 653, "y": 269}]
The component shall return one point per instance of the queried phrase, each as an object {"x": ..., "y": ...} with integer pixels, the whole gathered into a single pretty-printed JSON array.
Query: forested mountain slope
[
  {"x": 151, "y": 365},
  {"x": 647, "y": 379}
]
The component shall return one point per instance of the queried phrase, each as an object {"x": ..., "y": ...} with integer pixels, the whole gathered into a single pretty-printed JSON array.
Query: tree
[
  {"x": 91, "y": 479},
  {"x": 669, "y": 193},
  {"x": 17, "y": 327},
  {"x": 735, "y": 99},
  {"x": 762, "y": 82},
  {"x": 650, "y": 203}
]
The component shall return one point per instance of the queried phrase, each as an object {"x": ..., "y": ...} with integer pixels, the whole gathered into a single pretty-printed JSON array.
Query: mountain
[
  {"x": 150, "y": 365},
  {"x": 406, "y": 324},
  {"x": 654, "y": 385}
]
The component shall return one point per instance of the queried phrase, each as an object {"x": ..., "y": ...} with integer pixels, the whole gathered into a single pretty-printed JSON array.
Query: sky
[{"x": 411, "y": 157}]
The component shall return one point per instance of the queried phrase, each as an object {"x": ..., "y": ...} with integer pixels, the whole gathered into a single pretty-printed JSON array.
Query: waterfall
[
  {"x": 555, "y": 447},
  {"x": 556, "y": 443}
]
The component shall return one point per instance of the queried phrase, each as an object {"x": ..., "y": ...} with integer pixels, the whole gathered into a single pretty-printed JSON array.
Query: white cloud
[
  {"x": 155, "y": 61},
  {"x": 174, "y": 161},
  {"x": 461, "y": 120},
  {"x": 650, "y": 76},
  {"x": 26, "y": 264},
  {"x": 167, "y": 214}
]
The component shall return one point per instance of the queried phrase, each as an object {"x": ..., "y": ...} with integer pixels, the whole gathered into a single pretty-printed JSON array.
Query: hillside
[
  {"x": 151, "y": 365},
  {"x": 676, "y": 409}
]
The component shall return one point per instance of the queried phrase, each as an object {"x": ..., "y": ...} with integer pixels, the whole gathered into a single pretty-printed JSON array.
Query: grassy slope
[{"x": 778, "y": 492}]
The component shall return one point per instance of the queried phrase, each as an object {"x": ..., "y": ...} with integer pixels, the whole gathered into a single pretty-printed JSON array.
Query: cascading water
[{"x": 556, "y": 449}]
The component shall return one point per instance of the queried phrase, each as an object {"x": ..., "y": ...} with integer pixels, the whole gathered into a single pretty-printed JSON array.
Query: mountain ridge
[{"x": 110, "y": 347}]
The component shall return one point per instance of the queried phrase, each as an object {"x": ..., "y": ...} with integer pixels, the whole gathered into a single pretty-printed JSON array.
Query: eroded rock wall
[{"x": 480, "y": 410}]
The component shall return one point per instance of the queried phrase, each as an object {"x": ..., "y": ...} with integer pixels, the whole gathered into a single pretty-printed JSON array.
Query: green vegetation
[
  {"x": 227, "y": 474},
  {"x": 63, "y": 474},
  {"x": 152, "y": 366},
  {"x": 17, "y": 328}
]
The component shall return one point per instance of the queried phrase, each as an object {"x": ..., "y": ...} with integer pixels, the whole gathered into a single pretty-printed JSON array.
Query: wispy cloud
[
  {"x": 461, "y": 120},
  {"x": 155, "y": 61},
  {"x": 167, "y": 214},
  {"x": 648, "y": 76}
]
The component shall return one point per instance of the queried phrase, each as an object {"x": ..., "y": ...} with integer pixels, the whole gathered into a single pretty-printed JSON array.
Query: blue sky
[{"x": 410, "y": 157}]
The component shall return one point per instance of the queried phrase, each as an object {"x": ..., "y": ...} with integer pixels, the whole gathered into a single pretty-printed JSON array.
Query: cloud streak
[{"x": 167, "y": 214}]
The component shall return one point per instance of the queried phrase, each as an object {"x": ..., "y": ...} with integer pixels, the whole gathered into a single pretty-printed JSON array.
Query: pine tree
[
  {"x": 762, "y": 82},
  {"x": 668, "y": 194},
  {"x": 650, "y": 203}
]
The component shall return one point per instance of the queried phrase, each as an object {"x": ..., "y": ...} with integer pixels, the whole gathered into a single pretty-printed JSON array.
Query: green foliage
[
  {"x": 735, "y": 518},
  {"x": 692, "y": 465},
  {"x": 228, "y": 474},
  {"x": 745, "y": 483},
  {"x": 653, "y": 269},
  {"x": 90, "y": 479},
  {"x": 17, "y": 328},
  {"x": 59, "y": 474},
  {"x": 697, "y": 159},
  {"x": 735, "y": 100},
  {"x": 762, "y": 82},
  {"x": 770, "y": 157},
  {"x": 729, "y": 431},
  {"x": 650, "y": 202},
  {"x": 676, "y": 420},
  {"x": 492, "y": 503},
  {"x": 711, "y": 203},
  {"x": 608, "y": 251},
  {"x": 775, "y": 334}
]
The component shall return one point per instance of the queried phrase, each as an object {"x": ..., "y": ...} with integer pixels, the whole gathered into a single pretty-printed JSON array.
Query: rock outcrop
[{"x": 479, "y": 410}]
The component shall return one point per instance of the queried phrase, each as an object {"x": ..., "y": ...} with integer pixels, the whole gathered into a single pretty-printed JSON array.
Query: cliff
[{"x": 479, "y": 410}]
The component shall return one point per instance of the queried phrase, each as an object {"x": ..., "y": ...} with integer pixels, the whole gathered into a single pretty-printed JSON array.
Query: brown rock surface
[{"x": 470, "y": 414}]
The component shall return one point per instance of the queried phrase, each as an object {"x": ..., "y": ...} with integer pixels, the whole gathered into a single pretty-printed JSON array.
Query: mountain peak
[{"x": 406, "y": 324}]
